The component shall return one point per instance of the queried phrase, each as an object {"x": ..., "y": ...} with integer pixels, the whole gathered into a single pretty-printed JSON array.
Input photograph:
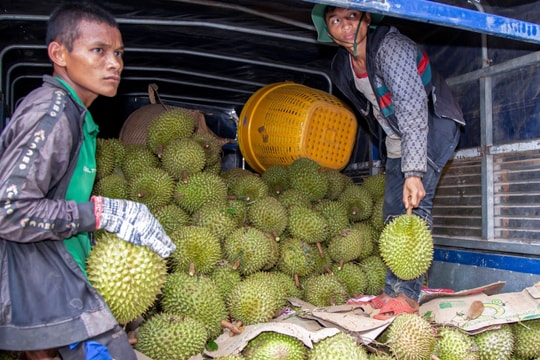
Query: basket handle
[{"x": 153, "y": 95}]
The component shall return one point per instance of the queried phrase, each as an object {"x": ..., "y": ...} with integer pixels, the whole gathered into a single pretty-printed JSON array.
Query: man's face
[
  {"x": 343, "y": 23},
  {"x": 94, "y": 65}
]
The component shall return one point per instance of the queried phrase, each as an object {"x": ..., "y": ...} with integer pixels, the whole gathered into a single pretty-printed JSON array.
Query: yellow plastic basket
[{"x": 284, "y": 121}]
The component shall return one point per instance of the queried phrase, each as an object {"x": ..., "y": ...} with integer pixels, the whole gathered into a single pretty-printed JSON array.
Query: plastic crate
[{"x": 284, "y": 121}]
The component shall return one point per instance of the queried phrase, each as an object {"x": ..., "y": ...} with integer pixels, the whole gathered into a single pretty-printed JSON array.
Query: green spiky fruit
[
  {"x": 250, "y": 249},
  {"x": 406, "y": 246},
  {"x": 292, "y": 197},
  {"x": 410, "y": 337},
  {"x": 305, "y": 175},
  {"x": 337, "y": 182},
  {"x": 375, "y": 270},
  {"x": 339, "y": 346},
  {"x": 172, "y": 217},
  {"x": 199, "y": 189},
  {"x": 274, "y": 346},
  {"x": 453, "y": 344},
  {"x": 233, "y": 174},
  {"x": 153, "y": 187},
  {"x": 171, "y": 124},
  {"x": 225, "y": 276},
  {"x": 495, "y": 344},
  {"x": 238, "y": 209},
  {"x": 197, "y": 297},
  {"x": 349, "y": 245},
  {"x": 377, "y": 217},
  {"x": 183, "y": 157},
  {"x": 248, "y": 188},
  {"x": 276, "y": 177},
  {"x": 335, "y": 214},
  {"x": 211, "y": 147},
  {"x": 171, "y": 337},
  {"x": 268, "y": 215},
  {"x": 358, "y": 201},
  {"x": 353, "y": 276},
  {"x": 249, "y": 304},
  {"x": 217, "y": 218},
  {"x": 128, "y": 276},
  {"x": 324, "y": 290},
  {"x": 307, "y": 224},
  {"x": 105, "y": 158},
  {"x": 138, "y": 157},
  {"x": 297, "y": 258},
  {"x": 113, "y": 186},
  {"x": 527, "y": 335},
  {"x": 369, "y": 233},
  {"x": 380, "y": 356},
  {"x": 197, "y": 249},
  {"x": 375, "y": 184},
  {"x": 230, "y": 357}
]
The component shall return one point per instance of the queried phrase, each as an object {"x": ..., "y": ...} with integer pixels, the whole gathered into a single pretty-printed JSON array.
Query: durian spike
[{"x": 319, "y": 247}]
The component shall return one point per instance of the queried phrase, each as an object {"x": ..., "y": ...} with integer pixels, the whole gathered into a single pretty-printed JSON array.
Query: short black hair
[{"x": 63, "y": 24}]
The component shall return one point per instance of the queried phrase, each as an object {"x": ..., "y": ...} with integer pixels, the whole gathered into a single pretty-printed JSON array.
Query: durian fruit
[
  {"x": 171, "y": 217},
  {"x": 233, "y": 174},
  {"x": 377, "y": 218},
  {"x": 250, "y": 250},
  {"x": 105, "y": 157},
  {"x": 183, "y": 157},
  {"x": 225, "y": 276},
  {"x": 526, "y": 338},
  {"x": 276, "y": 177},
  {"x": 375, "y": 270},
  {"x": 113, "y": 186},
  {"x": 128, "y": 276},
  {"x": 218, "y": 218},
  {"x": 453, "y": 344},
  {"x": 349, "y": 245},
  {"x": 307, "y": 224},
  {"x": 339, "y": 346},
  {"x": 238, "y": 209},
  {"x": 153, "y": 187},
  {"x": 406, "y": 246},
  {"x": 171, "y": 337},
  {"x": 324, "y": 290},
  {"x": 268, "y": 215},
  {"x": 230, "y": 357},
  {"x": 271, "y": 345},
  {"x": 284, "y": 282},
  {"x": 171, "y": 124},
  {"x": 335, "y": 214},
  {"x": 292, "y": 197},
  {"x": 380, "y": 356},
  {"x": 337, "y": 182},
  {"x": 247, "y": 303},
  {"x": 248, "y": 188},
  {"x": 138, "y": 157},
  {"x": 297, "y": 258},
  {"x": 375, "y": 184},
  {"x": 211, "y": 146},
  {"x": 353, "y": 276},
  {"x": 358, "y": 201},
  {"x": 369, "y": 233},
  {"x": 495, "y": 344},
  {"x": 197, "y": 297},
  {"x": 305, "y": 175},
  {"x": 410, "y": 337},
  {"x": 198, "y": 249},
  {"x": 201, "y": 188}
]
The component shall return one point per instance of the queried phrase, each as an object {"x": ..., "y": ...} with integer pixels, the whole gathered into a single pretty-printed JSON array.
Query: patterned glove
[{"x": 132, "y": 222}]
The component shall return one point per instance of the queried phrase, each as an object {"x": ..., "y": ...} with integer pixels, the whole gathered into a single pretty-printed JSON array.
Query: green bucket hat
[{"x": 317, "y": 16}]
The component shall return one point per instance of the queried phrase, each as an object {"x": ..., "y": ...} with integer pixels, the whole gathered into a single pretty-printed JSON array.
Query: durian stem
[
  {"x": 191, "y": 269},
  {"x": 340, "y": 266},
  {"x": 319, "y": 247},
  {"x": 296, "y": 280},
  {"x": 276, "y": 236},
  {"x": 409, "y": 210},
  {"x": 328, "y": 269},
  {"x": 185, "y": 177},
  {"x": 235, "y": 329},
  {"x": 236, "y": 264},
  {"x": 433, "y": 357},
  {"x": 141, "y": 194}
]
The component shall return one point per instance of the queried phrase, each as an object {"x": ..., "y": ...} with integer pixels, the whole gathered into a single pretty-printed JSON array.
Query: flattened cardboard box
[{"x": 498, "y": 309}]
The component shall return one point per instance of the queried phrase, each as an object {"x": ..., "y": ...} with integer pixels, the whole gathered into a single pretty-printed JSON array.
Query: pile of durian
[{"x": 246, "y": 242}]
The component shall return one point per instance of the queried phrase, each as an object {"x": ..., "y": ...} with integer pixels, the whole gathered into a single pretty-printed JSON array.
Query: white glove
[{"x": 132, "y": 222}]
